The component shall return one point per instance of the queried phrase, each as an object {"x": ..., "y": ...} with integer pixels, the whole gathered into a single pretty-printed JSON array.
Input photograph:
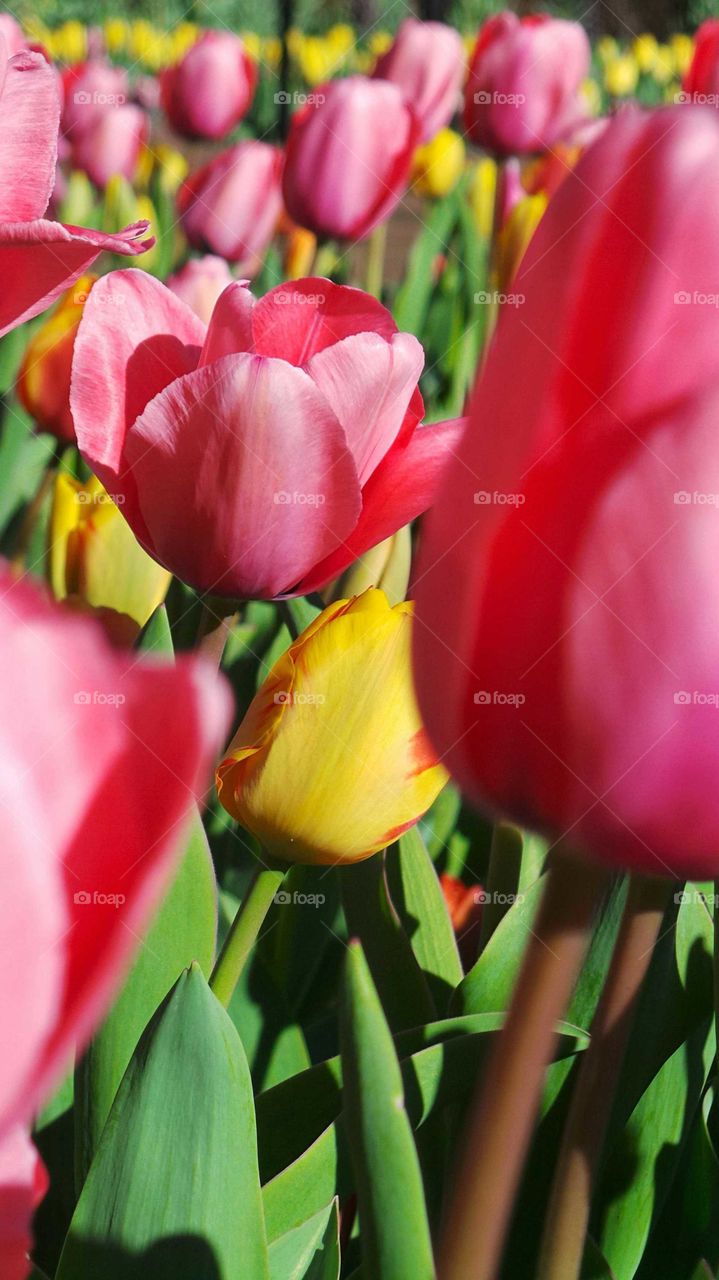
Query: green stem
[
  {"x": 244, "y": 931},
  {"x": 375, "y": 260},
  {"x": 501, "y": 1121},
  {"x": 216, "y": 623},
  {"x": 570, "y": 1202},
  {"x": 505, "y": 864}
]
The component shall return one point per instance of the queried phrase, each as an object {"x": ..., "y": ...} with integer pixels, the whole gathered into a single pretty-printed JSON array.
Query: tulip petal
[
  {"x": 23, "y": 1183},
  {"x": 245, "y": 476},
  {"x": 402, "y": 487},
  {"x": 39, "y": 260},
  {"x": 296, "y": 320},
  {"x": 230, "y": 327},
  {"x": 30, "y": 106},
  {"x": 369, "y": 383}
]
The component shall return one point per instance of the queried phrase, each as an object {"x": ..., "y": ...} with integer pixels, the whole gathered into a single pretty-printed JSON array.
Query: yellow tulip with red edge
[
  {"x": 332, "y": 763},
  {"x": 43, "y": 380},
  {"x": 96, "y": 561}
]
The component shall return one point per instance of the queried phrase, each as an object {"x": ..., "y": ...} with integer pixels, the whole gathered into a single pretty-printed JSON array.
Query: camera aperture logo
[
  {"x": 98, "y": 698},
  {"x": 487, "y": 98},
  {"x": 483, "y": 498},
  {"x": 83, "y": 898},
  {"x": 284, "y": 499},
  {"x": 695, "y": 698},
  {"x": 283, "y": 898},
  {"x": 496, "y": 698}
]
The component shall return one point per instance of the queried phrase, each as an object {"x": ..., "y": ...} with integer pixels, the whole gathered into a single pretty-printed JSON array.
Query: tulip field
[{"x": 359, "y": 639}]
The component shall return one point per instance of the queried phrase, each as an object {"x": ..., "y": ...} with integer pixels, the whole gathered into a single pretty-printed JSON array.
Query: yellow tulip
[
  {"x": 482, "y": 195},
  {"x": 331, "y": 762},
  {"x": 682, "y": 46},
  {"x": 300, "y": 253},
  {"x": 438, "y": 165},
  {"x": 607, "y": 48},
  {"x": 387, "y": 566},
  {"x": 43, "y": 380},
  {"x": 516, "y": 234},
  {"x": 621, "y": 76},
  {"x": 95, "y": 559},
  {"x": 665, "y": 65},
  {"x": 379, "y": 42},
  {"x": 645, "y": 49}
]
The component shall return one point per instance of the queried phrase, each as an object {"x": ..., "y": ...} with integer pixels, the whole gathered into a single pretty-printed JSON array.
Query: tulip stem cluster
[{"x": 244, "y": 932}]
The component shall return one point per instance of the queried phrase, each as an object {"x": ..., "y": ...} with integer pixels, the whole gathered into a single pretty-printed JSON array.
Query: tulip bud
[
  {"x": 702, "y": 74},
  {"x": 110, "y": 143},
  {"x": 482, "y": 191},
  {"x": 95, "y": 559},
  {"x": 515, "y": 235},
  {"x": 43, "y": 380},
  {"x": 438, "y": 165},
  {"x": 211, "y": 89},
  {"x": 426, "y": 61},
  {"x": 386, "y": 566},
  {"x": 231, "y": 206},
  {"x": 200, "y": 283},
  {"x": 331, "y": 762}
]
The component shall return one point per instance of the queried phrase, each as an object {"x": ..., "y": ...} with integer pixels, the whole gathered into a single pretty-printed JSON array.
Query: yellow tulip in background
[
  {"x": 331, "y": 762},
  {"x": 95, "y": 559},
  {"x": 43, "y": 380},
  {"x": 438, "y": 165},
  {"x": 515, "y": 235}
]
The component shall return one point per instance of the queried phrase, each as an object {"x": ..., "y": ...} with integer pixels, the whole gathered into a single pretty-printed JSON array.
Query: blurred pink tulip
[
  {"x": 200, "y": 283},
  {"x": 103, "y": 758},
  {"x": 110, "y": 143},
  {"x": 39, "y": 259},
  {"x": 566, "y": 648},
  {"x": 427, "y": 62},
  {"x": 522, "y": 94},
  {"x": 263, "y": 455},
  {"x": 209, "y": 91},
  {"x": 702, "y": 78},
  {"x": 89, "y": 89},
  {"x": 12, "y": 33},
  {"x": 349, "y": 156},
  {"x": 232, "y": 205}
]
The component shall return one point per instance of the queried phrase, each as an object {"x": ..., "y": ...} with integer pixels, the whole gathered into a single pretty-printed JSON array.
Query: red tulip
[
  {"x": 264, "y": 455},
  {"x": 110, "y": 143},
  {"x": 426, "y": 61},
  {"x": 200, "y": 283},
  {"x": 349, "y": 156},
  {"x": 39, "y": 259},
  {"x": 568, "y": 587},
  {"x": 211, "y": 88},
  {"x": 90, "y": 88},
  {"x": 702, "y": 78},
  {"x": 522, "y": 94},
  {"x": 23, "y": 1183},
  {"x": 232, "y": 205},
  {"x": 103, "y": 757}
]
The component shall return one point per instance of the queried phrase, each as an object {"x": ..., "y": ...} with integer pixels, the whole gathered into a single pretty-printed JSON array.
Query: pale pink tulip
[
  {"x": 427, "y": 62},
  {"x": 200, "y": 283},
  {"x": 209, "y": 91},
  {"x": 110, "y": 143},
  {"x": 232, "y": 205},
  {"x": 91, "y": 88}
]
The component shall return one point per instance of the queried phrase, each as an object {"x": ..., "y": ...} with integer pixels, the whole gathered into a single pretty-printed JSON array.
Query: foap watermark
[
  {"x": 99, "y": 499},
  {"x": 697, "y": 99},
  {"x": 98, "y": 698},
  {"x": 283, "y": 898},
  {"x": 695, "y": 698},
  {"x": 485, "y": 98},
  {"x": 286, "y": 298},
  {"x": 683, "y": 498},
  {"x": 498, "y": 698},
  {"x": 83, "y": 98},
  {"x": 291, "y": 698},
  {"x": 284, "y": 99},
  {"x": 296, "y": 499},
  {"x": 497, "y": 498},
  {"x": 484, "y": 897},
  {"x": 85, "y": 898},
  {"x": 494, "y": 298},
  {"x": 695, "y": 298}
]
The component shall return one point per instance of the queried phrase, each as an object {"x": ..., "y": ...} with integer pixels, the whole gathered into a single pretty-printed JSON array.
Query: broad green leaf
[
  {"x": 307, "y": 1251},
  {"x": 417, "y": 897},
  {"x": 178, "y": 1157},
  {"x": 273, "y": 1042},
  {"x": 156, "y": 636},
  {"x": 303, "y": 1187},
  {"x": 24, "y": 459},
  {"x": 396, "y": 1243}
]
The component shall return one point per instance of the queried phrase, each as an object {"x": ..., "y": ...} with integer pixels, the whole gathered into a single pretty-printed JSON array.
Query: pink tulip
[
  {"x": 263, "y": 455},
  {"x": 522, "y": 93},
  {"x": 39, "y": 259},
  {"x": 349, "y": 156},
  {"x": 103, "y": 758},
  {"x": 567, "y": 652},
  {"x": 89, "y": 89},
  {"x": 12, "y": 33},
  {"x": 110, "y": 143},
  {"x": 232, "y": 205},
  {"x": 211, "y": 88},
  {"x": 426, "y": 61},
  {"x": 23, "y": 1183},
  {"x": 702, "y": 78},
  {"x": 200, "y": 283}
]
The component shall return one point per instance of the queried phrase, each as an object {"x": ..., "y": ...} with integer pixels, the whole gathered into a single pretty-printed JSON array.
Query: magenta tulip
[
  {"x": 702, "y": 79},
  {"x": 232, "y": 205},
  {"x": 349, "y": 156},
  {"x": 263, "y": 455},
  {"x": 39, "y": 259},
  {"x": 200, "y": 283},
  {"x": 427, "y": 62},
  {"x": 211, "y": 88},
  {"x": 568, "y": 586},
  {"x": 89, "y": 89},
  {"x": 522, "y": 93},
  {"x": 109, "y": 143}
]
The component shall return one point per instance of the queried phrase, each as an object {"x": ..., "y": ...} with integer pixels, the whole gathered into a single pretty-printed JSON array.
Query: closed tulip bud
[
  {"x": 386, "y": 566},
  {"x": 621, "y": 76},
  {"x": 211, "y": 89},
  {"x": 482, "y": 190},
  {"x": 522, "y": 93},
  {"x": 200, "y": 283},
  {"x": 426, "y": 61},
  {"x": 331, "y": 762},
  {"x": 702, "y": 76},
  {"x": 682, "y": 47},
  {"x": 438, "y": 165},
  {"x": 232, "y": 205},
  {"x": 110, "y": 143},
  {"x": 91, "y": 89},
  {"x": 94, "y": 558},
  {"x": 515, "y": 236},
  {"x": 43, "y": 380},
  {"x": 349, "y": 157},
  {"x": 300, "y": 252}
]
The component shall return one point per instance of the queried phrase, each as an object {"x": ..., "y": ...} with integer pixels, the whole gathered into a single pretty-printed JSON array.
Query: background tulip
[
  {"x": 200, "y": 283},
  {"x": 568, "y": 574},
  {"x": 291, "y": 446},
  {"x": 340, "y": 705},
  {"x": 349, "y": 156},
  {"x": 89, "y": 89},
  {"x": 232, "y": 205},
  {"x": 110, "y": 143},
  {"x": 209, "y": 91},
  {"x": 43, "y": 380},
  {"x": 438, "y": 166},
  {"x": 426, "y": 61},
  {"x": 702, "y": 77},
  {"x": 522, "y": 93}
]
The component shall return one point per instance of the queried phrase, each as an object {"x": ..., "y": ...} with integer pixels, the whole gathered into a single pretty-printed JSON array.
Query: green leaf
[
  {"x": 273, "y": 1042},
  {"x": 24, "y": 458},
  {"x": 310, "y": 1251},
  {"x": 414, "y": 295},
  {"x": 594, "y": 1266},
  {"x": 175, "y": 1178},
  {"x": 396, "y": 1243},
  {"x": 417, "y": 896},
  {"x": 303, "y": 1187},
  {"x": 156, "y": 636}
]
